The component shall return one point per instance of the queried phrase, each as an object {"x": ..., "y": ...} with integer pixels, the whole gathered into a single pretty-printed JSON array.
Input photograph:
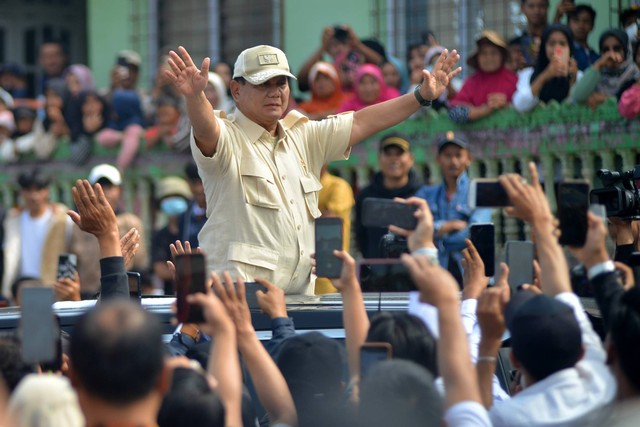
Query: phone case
[
  {"x": 328, "y": 237},
  {"x": 381, "y": 213}
]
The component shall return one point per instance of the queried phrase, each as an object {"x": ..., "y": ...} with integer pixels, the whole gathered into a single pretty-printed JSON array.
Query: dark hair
[
  {"x": 582, "y": 8},
  {"x": 34, "y": 178},
  {"x": 117, "y": 352},
  {"x": 627, "y": 14},
  {"x": 556, "y": 88},
  {"x": 191, "y": 402},
  {"x": 376, "y": 46},
  {"x": 624, "y": 330},
  {"x": 618, "y": 34},
  {"x": 19, "y": 282},
  {"x": 399, "y": 392},
  {"x": 524, "y": 1},
  {"x": 191, "y": 171},
  {"x": 12, "y": 367},
  {"x": 409, "y": 337}
]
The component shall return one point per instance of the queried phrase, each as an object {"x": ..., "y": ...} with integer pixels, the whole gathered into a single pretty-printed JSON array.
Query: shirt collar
[{"x": 254, "y": 131}]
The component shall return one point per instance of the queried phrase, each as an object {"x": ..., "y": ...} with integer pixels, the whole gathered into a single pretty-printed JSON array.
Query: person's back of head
[
  {"x": 191, "y": 402},
  {"x": 545, "y": 335},
  {"x": 399, "y": 392},
  {"x": 45, "y": 401},
  {"x": 409, "y": 337},
  {"x": 625, "y": 335},
  {"x": 12, "y": 367},
  {"x": 312, "y": 365},
  {"x": 116, "y": 352}
]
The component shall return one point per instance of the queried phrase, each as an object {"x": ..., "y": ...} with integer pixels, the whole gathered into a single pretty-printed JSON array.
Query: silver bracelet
[{"x": 487, "y": 359}]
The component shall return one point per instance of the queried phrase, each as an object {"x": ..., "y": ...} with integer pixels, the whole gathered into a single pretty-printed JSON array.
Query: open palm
[{"x": 183, "y": 73}]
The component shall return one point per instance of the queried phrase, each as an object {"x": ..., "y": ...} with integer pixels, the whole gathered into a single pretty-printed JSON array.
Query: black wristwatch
[{"x": 419, "y": 98}]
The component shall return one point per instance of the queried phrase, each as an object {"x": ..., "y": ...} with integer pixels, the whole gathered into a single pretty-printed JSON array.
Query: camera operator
[{"x": 395, "y": 179}]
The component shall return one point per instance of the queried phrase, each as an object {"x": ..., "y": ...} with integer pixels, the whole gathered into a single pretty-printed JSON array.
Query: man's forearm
[
  {"x": 554, "y": 272},
  {"x": 375, "y": 118},
  {"x": 203, "y": 121}
]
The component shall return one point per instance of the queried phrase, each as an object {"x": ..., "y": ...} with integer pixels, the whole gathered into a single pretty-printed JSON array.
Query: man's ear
[{"x": 234, "y": 86}]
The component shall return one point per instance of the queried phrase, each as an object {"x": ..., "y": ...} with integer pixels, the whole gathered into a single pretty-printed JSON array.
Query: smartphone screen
[
  {"x": 135, "y": 285},
  {"x": 384, "y": 275},
  {"x": 378, "y": 212},
  {"x": 67, "y": 266},
  {"x": 190, "y": 278},
  {"x": 519, "y": 258},
  {"x": 488, "y": 193},
  {"x": 250, "y": 289},
  {"x": 483, "y": 238},
  {"x": 328, "y": 239},
  {"x": 573, "y": 205},
  {"x": 372, "y": 353},
  {"x": 38, "y": 329}
]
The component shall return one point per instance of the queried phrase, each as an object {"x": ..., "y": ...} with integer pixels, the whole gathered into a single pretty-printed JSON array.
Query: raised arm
[
  {"x": 375, "y": 118},
  {"x": 191, "y": 81}
]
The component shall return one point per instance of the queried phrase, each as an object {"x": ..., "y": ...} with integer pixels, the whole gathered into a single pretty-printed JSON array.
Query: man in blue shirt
[
  {"x": 448, "y": 203},
  {"x": 581, "y": 21}
]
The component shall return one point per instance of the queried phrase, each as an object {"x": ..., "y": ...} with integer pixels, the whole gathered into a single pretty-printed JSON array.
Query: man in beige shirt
[{"x": 261, "y": 173}]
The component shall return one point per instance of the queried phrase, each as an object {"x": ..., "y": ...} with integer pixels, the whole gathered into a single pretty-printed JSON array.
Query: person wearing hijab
[
  {"x": 370, "y": 89},
  {"x": 395, "y": 74},
  {"x": 554, "y": 73},
  {"x": 611, "y": 74},
  {"x": 492, "y": 85},
  {"x": 216, "y": 93},
  {"x": 326, "y": 92},
  {"x": 78, "y": 81}
]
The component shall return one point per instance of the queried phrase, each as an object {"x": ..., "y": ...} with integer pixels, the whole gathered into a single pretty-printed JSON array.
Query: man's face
[
  {"x": 395, "y": 163},
  {"x": 52, "y": 59},
  {"x": 489, "y": 58},
  {"x": 581, "y": 25},
  {"x": 197, "y": 189},
  {"x": 35, "y": 198},
  {"x": 264, "y": 103},
  {"x": 535, "y": 11},
  {"x": 112, "y": 193},
  {"x": 453, "y": 161}
]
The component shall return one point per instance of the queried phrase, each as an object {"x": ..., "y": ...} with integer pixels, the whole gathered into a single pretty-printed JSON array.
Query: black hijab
[{"x": 558, "y": 87}]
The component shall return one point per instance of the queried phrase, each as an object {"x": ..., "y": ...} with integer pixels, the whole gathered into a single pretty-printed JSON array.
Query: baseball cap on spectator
[
  {"x": 129, "y": 57},
  {"x": 545, "y": 335},
  {"x": 7, "y": 121},
  {"x": 451, "y": 138},
  {"x": 13, "y": 69},
  {"x": 261, "y": 63},
  {"x": 173, "y": 186},
  {"x": 34, "y": 178},
  {"x": 105, "y": 172},
  {"x": 394, "y": 140}
]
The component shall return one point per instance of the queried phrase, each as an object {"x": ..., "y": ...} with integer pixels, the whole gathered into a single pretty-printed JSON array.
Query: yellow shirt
[{"x": 262, "y": 198}]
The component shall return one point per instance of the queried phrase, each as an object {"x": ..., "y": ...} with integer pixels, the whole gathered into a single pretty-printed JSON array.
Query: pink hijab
[{"x": 386, "y": 93}]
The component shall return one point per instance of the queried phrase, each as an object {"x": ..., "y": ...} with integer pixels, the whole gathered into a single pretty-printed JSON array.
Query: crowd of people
[{"x": 248, "y": 202}]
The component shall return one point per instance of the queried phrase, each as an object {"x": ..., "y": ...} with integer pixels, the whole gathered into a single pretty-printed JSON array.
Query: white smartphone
[{"x": 487, "y": 193}]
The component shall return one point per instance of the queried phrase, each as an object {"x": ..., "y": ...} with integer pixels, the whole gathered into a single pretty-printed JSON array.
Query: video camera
[{"x": 620, "y": 194}]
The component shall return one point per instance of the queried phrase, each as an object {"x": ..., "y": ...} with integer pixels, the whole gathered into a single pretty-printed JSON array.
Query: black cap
[{"x": 451, "y": 138}]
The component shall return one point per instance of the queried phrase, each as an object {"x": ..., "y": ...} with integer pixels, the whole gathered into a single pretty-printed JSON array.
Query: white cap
[
  {"x": 105, "y": 171},
  {"x": 261, "y": 63}
]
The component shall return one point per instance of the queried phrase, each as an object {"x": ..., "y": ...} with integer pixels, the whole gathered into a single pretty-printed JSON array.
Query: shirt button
[
  {"x": 298, "y": 227},
  {"x": 291, "y": 201},
  {"x": 283, "y": 177},
  {"x": 301, "y": 253}
]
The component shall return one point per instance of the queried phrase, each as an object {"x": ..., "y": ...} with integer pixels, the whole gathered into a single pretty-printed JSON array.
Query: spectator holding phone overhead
[
  {"x": 449, "y": 205},
  {"x": 263, "y": 172}
]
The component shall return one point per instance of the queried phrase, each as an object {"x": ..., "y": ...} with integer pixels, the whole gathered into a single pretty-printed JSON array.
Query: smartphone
[
  {"x": 135, "y": 285},
  {"x": 250, "y": 289},
  {"x": 372, "y": 353},
  {"x": 378, "y": 212},
  {"x": 38, "y": 329},
  {"x": 483, "y": 238},
  {"x": 573, "y": 205},
  {"x": 519, "y": 257},
  {"x": 563, "y": 54},
  {"x": 67, "y": 266},
  {"x": 487, "y": 193},
  {"x": 384, "y": 275},
  {"x": 328, "y": 238},
  {"x": 190, "y": 279}
]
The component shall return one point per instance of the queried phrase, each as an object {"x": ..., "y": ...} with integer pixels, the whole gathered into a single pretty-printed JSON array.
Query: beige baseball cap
[{"x": 261, "y": 63}]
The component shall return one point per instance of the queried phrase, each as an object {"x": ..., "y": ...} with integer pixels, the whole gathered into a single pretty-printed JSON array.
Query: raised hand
[
  {"x": 95, "y": 215},
  {"x": 435, "y": 82},
  {"x": 129, "y": 244},
  {"x": 474, "y": 281},
  {"x": 184, "y": 74},
  {"x": 422, "y": 236}
]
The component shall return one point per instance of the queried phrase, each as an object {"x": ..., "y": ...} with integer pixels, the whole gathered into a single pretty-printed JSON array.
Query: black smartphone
[
  {"x": 372, "y": 353},
  {"x": 519, "y": 258},
  {"x": 488, "y": 193},
  {"x": 483, "y": 238},
  {"x": 328, "y": 238},
  {"x": 384, "y": 275},
  {"x": 573, "y": 205},
  {"x": 135, "y": 285},
  {"x": 378, "y": 212},
  {"x": 67, "y": 266},
  {"x": 38, "y": 329},
  {"x": 250, "y": 289},
  {"x": 190, "y": 278}
]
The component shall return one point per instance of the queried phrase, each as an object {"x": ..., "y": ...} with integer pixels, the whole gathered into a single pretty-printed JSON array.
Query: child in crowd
[
  {"x": 395, "y": 74},
  {"x": 491, "y": 87},
  {"x": 554, "y": 73},
  {"x": 326, "y": 92},
  {"x": 370, "y": 89},
  {"x": 167, "y": 128}
]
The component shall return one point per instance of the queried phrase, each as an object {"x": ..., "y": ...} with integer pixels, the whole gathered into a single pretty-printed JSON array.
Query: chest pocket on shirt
[
  {"x": 259, "y": 186},
  {"x": 310, "y": 187}
]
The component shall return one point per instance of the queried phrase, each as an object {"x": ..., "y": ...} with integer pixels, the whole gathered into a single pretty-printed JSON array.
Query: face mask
[{"x": 173, "y": 206}]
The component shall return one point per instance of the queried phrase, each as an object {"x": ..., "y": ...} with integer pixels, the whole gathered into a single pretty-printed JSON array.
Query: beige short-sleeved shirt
[{"x": 262, "y": 195}]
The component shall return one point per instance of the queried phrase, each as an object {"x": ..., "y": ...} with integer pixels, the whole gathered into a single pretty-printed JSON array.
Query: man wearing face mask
[{"x": 173, "y": 195}]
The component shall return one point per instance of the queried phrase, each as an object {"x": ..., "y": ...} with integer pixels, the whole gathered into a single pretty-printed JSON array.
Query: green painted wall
[{"x": 305, "y": 20}]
